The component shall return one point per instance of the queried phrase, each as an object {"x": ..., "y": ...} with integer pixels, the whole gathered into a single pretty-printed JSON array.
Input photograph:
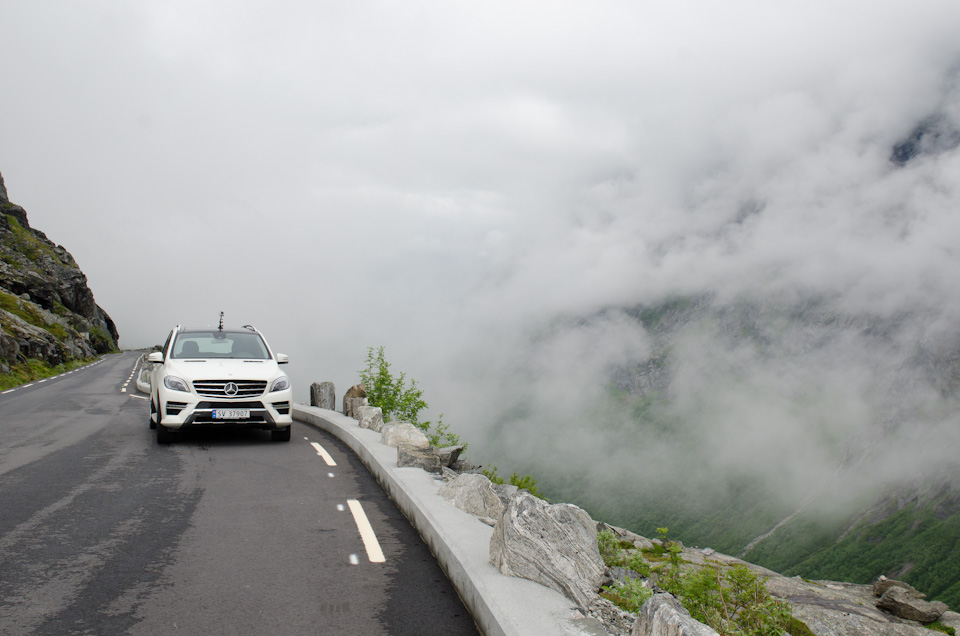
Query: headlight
[
  {"x": 174, "y": 383},
  {"x": 280, "y": 384}
]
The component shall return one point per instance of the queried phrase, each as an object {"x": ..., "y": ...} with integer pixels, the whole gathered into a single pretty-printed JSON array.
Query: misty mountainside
[
  {"x": 47, "y": 312},
  {"x": 810, "y": 425},
  {"x": 808, "y": 441}
]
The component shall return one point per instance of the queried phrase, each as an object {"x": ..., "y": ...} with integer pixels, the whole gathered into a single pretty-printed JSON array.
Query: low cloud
[{"x": 489, "y": 191}]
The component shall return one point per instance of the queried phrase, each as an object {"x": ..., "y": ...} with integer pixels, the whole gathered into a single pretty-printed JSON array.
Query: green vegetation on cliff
[
  {"x": 917, "y": 543},
  {"x": 32, "y": 370}
]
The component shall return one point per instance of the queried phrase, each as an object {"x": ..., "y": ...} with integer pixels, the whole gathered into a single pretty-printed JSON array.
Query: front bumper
[{"x": 180, "y": 410}]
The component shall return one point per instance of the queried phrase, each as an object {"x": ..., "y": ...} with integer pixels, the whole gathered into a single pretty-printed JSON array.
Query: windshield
[{"x": 220, "y": 344}]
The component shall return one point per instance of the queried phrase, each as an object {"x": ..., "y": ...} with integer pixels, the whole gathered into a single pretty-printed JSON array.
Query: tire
[
  {"x": 165, "y": 435},
  {"x": 153, "y": 413},
  {"x": 281, "y": 434}
]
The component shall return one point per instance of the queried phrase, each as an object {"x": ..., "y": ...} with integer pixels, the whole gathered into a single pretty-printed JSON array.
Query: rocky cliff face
[{"x": 47, "y": 311}]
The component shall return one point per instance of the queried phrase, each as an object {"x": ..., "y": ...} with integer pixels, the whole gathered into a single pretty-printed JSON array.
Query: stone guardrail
[{"x": 143, "y": 375}]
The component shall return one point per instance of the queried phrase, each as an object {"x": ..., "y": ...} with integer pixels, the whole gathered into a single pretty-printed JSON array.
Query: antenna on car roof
[{"x": 221, "y": 321}]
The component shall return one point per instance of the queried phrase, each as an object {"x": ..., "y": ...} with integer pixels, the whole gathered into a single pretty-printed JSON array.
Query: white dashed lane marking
[
  {"x": 374, "y": 553},
  {"x": 323, "y": 453}
]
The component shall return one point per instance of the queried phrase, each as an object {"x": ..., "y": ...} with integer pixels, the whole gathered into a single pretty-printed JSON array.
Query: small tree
[
  {"x": 397, "y": 400},
  {"x": 400, "y": 402}
]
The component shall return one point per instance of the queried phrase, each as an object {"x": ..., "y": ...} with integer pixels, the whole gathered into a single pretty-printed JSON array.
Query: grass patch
[
  {"x": 32, "y": 370},
  {"x": 23, "y": 241}
]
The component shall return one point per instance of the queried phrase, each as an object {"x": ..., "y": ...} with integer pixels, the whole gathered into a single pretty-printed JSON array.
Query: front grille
[{"x": 218, "y": 388}]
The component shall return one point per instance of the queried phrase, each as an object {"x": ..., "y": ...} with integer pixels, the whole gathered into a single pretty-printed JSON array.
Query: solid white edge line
[
  {"x": 374, "y": 553},
  {"x": 323, "y": 453}
]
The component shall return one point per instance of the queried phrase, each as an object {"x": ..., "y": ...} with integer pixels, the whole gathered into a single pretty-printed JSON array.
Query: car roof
[{"x": 213, "y": 330}]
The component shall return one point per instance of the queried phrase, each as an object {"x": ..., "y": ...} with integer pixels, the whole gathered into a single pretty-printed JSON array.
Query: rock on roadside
[{"x": 552, "y": 544}]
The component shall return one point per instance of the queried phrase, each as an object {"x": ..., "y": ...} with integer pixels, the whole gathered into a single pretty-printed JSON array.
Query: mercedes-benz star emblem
[{"x": 230, "y": 388}]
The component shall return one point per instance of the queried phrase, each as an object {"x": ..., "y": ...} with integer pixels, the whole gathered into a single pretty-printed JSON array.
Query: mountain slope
[{"x": 47, "y": 312}]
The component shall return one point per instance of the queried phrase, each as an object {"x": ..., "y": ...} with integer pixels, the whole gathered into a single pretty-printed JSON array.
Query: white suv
[{"x": 217, "y": 377}]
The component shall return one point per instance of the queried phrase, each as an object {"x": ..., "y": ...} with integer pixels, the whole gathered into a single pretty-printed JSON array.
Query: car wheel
[
  {"x": 153, "y": 413},
  {"x": 164, "y": 435},
  {"x": 281, "y": 434}
]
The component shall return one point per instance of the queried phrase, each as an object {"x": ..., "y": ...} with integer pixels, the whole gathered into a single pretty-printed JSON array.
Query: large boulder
[
  {"x": 370, "y": 417},
  {"x": 356, "y": 391},
  {"x": 397, "y": 433},
  {"x": 473, "y": 493},
  {"x": 663, "y": 615},
  {"x": 449, "y": 454},
  {"x": 902, "y": 603},
  {"x": 552, "y": 544},
  {"x": 323, "y": 395},
  {"x": 418, "y": 457},
  {"x": 351, "y": 406},
  {"x": 883, "y": 584}
]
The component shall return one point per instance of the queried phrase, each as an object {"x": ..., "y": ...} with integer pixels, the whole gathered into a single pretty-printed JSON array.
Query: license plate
[{"x": 231, "y": 414}]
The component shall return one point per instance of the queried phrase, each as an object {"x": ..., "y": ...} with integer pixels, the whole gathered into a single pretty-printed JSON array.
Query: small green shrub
[
  {"x": 940, "y": 627},
  {"x": 629, "y": 595},
  {"x": 610, "y": 550},
  {"x": 734, "y": 601},
  {"x": 638, "y": 564},
  {"x": 400, "y": 402},
  {"x": 441, "y": 436},
  {"x": 397, "y": 400}
]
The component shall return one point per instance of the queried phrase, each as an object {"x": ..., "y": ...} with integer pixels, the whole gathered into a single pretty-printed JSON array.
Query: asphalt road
[{"x": 103, "y": 532}]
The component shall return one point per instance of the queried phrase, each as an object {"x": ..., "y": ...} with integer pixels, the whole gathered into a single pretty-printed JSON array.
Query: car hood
[{"x": 214, "y": 369}]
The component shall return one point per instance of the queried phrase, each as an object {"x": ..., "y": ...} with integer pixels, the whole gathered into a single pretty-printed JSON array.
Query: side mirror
[
  {"x": 156, "y": 356},
  {"x": 282, "y": 358}
]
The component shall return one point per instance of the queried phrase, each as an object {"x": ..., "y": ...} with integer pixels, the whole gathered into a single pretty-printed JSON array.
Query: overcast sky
[{"x": 444, "y": 178}]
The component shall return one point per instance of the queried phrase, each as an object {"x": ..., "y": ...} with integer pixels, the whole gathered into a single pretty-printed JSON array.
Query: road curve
[{"x": 105, "y": 532}]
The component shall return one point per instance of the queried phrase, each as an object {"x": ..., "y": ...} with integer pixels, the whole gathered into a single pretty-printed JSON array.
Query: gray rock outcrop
[
  {"x": 663, "y": 615},
  {"x": 883, "y": 584},
  {"x": 831, "y": 608},
  {"x": 409, "y": 456},
  {"x": 552, "y": 544},
  {"x": 370, "y": 417},
  {"x": 351, "y": 406},
  {"x": 397, "y": 433},
  {"x": 356, "y": 391},
  {"x": 323, "y": 395},
  {"x": 901, "y": 602},
  {"x": 449, "y": 454},
  {"x": 951, "y": 619},
  {"x": 474, "y": 494}
]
